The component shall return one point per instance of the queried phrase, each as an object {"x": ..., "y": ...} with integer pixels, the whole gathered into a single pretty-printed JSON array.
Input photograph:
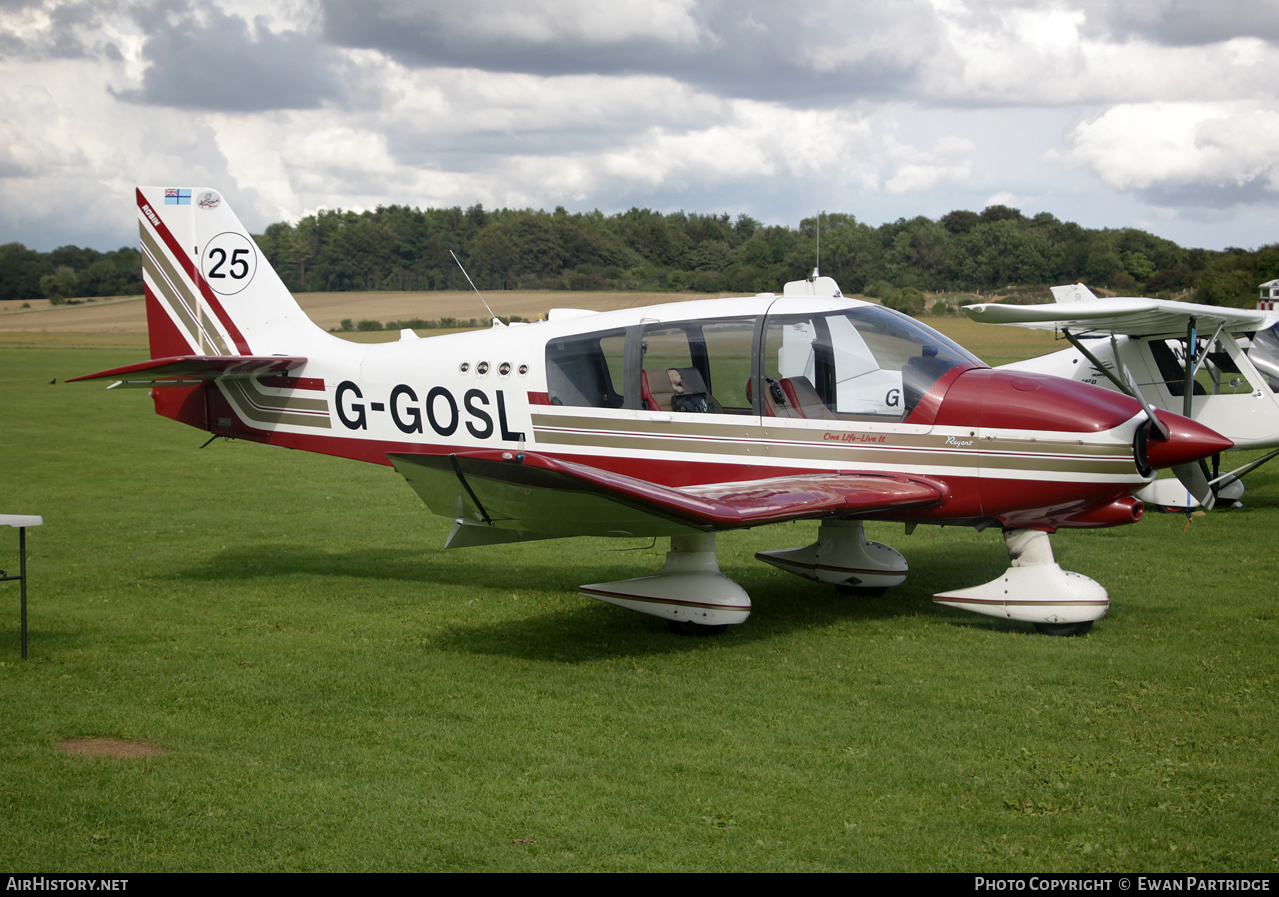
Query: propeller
[
  {"x": 1194, "y": 474},
  {"x": 1158, "y": 429},
  {"x": 1156, "y": 439}
]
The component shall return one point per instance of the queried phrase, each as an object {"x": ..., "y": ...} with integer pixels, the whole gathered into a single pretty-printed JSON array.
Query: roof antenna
[
  {"x": 817, "y": 269},
  {"x": 497, "y": 322}
]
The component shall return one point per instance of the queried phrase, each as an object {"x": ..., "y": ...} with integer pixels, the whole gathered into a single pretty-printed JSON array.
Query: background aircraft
[
  {"x": 677, "y": 420},
  {"x": 1219, "y": 366}
]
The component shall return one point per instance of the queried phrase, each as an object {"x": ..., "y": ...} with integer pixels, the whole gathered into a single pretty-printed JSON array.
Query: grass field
[{"x": 335, "y": 692}]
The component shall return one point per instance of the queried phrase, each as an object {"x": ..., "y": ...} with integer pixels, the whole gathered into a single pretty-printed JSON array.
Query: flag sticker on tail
[{"x": 177, "y": 196}]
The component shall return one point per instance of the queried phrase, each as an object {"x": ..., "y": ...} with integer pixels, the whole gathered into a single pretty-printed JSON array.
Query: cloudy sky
[{"x": 1159, "y": 114}]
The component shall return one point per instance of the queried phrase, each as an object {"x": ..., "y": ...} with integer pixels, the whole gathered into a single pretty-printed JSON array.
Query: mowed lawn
[{"x": 333, "y": 691}]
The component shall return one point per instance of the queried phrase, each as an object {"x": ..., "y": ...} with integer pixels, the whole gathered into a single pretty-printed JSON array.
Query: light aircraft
[
  {"x": 677, "y": 420},
  {"x": 1219, "y": 366}
]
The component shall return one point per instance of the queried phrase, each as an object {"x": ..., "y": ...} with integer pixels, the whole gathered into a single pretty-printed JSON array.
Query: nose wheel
[
  {"x": 685, "y": 627},
  {"x": 862, "y": 592},
  {"x": 1065, "y": 630}
]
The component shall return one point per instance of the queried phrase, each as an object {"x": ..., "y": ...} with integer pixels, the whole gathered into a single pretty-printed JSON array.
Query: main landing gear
[
  {"x": 843, "y": 557},
  {"x": 690, "y": 591},
  {"x": 696, "y": 598}
]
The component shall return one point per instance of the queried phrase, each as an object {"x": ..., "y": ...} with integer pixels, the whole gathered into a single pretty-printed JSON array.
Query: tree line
[
  {"x": 402, "y": 248},
  {"x": 68, "y": 271}
]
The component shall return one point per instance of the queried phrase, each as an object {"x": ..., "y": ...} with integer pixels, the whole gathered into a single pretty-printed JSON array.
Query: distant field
[
  {"x": 126, "y": 314},
  {"x": 122, "y": 321}
]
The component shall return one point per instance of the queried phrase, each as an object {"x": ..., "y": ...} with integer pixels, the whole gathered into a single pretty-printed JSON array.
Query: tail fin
[{"x": 209, "y": 290}]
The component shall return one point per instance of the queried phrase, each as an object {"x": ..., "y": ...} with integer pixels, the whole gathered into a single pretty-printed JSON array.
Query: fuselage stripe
[
  {"x": 1119, "y": 463},
  {"x": 237, "y": 393},
  {"x": 169, "y": 286}
]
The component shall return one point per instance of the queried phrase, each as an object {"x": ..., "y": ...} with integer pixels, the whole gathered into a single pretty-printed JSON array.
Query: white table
[{"x": 21, "y": 522}]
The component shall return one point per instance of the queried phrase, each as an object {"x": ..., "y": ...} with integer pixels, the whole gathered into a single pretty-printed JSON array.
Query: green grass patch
[
  {"x": 136, "y": 342},
  {"x": 336, "y": 692}
]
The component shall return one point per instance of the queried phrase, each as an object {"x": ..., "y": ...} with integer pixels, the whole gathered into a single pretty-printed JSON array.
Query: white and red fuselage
[{"x": 690, "y": 417}]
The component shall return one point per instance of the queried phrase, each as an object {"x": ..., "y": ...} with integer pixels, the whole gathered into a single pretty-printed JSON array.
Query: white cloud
[
  {"x": 558, "y": 21},
  {"x": 901, "y": 37},
  {"x": 911, "y": 107},
  {"x": 1044, "y": 56},
  {"x": 76, "y": 155},
  {"x": 916, "y": 170},
  {"x": 1217, "y": 152}
]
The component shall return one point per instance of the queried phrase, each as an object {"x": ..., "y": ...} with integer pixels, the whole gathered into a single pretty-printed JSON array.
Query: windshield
[{"x": 865, "y": 362}]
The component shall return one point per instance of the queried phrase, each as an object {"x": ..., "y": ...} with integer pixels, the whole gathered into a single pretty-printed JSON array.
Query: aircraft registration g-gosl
[{"x": 677, "y": 420}]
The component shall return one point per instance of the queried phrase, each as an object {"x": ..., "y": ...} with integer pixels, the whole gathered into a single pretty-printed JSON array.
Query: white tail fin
[
  {"x": 209, "y": 289},
  {"x": 1072, "y": 292}
]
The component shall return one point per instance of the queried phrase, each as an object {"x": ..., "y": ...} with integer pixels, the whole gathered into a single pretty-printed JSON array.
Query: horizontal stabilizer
[
  {"x": 527, "y": 491},
  {"x": 189, "y": 370}
]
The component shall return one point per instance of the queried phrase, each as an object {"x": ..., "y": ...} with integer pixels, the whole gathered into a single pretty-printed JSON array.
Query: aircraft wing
[
  {"x": 536, "y": 494},
  {"x": 1130, "y": 317},
  {"x": 190, "y": 370}
]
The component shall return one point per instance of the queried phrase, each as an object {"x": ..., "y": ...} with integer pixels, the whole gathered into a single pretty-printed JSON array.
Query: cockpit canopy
[{"x": 863, "y": 362}]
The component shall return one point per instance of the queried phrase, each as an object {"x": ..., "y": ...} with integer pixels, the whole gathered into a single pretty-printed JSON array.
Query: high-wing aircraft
[
  {"x": 1219, "y": 366},
  {"x": 677, "y": 420}
]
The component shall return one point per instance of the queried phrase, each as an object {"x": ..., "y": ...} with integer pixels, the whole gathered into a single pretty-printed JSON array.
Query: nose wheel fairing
[{"x": 1034, "y": 588}]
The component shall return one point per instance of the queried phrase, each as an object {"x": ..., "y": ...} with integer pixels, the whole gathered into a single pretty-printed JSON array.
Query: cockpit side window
[
  {"x": 730, "y": 348},
  {"x": 586, "y": 369},
  {"x": 697, "y": 366},
  {"x": 1215, "y": 375}
]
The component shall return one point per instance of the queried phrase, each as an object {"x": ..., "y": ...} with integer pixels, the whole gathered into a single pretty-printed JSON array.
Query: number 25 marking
[{"x": 239, "y": 267}]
